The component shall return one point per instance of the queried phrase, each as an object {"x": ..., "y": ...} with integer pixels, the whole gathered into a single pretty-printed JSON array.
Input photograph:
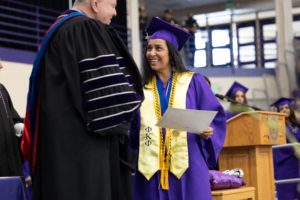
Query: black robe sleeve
[{"x": 103, "y": 80}]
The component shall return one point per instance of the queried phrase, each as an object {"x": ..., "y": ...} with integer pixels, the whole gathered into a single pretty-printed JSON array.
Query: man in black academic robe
[{"x": 88, "y": 90}]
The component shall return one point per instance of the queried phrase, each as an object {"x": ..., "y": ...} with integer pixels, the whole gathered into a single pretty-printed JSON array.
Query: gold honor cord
[{"x": 164, "y": 143}]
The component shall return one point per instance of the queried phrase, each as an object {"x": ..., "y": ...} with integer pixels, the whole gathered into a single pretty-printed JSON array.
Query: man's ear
[{"x": 94, "y": 5}]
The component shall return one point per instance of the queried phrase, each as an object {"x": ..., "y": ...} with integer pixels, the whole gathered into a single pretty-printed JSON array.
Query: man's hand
[{"x": 19, "y": 127}]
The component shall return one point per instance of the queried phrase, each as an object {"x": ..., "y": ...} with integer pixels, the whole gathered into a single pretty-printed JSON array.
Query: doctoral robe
[{"x": 87, "y": 88}]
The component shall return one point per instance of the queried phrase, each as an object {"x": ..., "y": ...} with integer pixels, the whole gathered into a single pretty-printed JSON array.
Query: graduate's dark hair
[
  {"x": 292, "y": 117},
  {"x": 175, "y": 61}
]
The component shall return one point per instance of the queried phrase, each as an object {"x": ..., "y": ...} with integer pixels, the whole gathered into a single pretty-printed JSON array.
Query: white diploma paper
[{"x": 194, "y": 121}]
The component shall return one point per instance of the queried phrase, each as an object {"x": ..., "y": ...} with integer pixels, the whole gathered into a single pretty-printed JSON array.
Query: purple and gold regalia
[
  {"x": 185, "y": 182},
  {"x": 287, "y": 166}
]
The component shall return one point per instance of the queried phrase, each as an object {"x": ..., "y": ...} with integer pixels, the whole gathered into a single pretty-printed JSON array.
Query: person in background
[
  {"x": 84, "y": 90},
  {"x": 237, "y": 92},
  {"x": 143, "y": 20},
  {"x": 168, "y": 16},
  {"x": 11, "y": 130},
  {"x": 296, "y": 96},
  {"x": 173, "y": 164},
  {"x": 11, "y": 126},
  {"x": 286, "y": 160},
  {"x": 191, "y": 25}
]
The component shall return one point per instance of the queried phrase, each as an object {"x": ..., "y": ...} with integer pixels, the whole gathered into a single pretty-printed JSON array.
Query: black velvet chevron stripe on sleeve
[
  {"x": 110, "y": 98},
  {"x": 122, "y": 62}
]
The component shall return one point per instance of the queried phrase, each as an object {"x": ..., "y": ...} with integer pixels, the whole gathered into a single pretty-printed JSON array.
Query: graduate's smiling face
[
  {"x": 104, "y": 10},
  {"x": 157, "y": 55}
]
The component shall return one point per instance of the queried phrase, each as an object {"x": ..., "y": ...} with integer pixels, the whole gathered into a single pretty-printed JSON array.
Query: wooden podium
[{"x": 248, "y": 145}]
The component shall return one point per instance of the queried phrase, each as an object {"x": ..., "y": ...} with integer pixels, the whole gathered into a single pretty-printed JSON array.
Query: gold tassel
[
  {"x": 164, "y": 170},
  {"x": 164, "y": 179},
  {"x": 165, "y": 161}
]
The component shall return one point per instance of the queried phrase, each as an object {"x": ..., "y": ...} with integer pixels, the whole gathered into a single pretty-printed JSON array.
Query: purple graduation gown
[
  {"x": 27, "y": 174},
  {"x": 286, "y": 166},
  {"x": 194, "y": 184},
  {"x": 228, "y": 114}
]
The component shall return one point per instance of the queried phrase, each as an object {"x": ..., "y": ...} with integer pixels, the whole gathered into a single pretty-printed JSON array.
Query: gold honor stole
[{"x": 169, "y": 153}]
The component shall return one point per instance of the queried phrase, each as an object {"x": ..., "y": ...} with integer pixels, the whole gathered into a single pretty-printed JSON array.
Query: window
[
  {"x": 221, "y": 45},
  {"x": 200, "y": 58},
  {"x": 247, "y": 54},
  {"x": 201, "y": 41},
  {"x": 268, "y": 43},
  {"x": 246, "y": 44}
]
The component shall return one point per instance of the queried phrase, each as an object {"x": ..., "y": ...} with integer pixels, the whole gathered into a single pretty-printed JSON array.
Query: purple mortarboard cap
[
  {"x": 235, "y": 87},
  {"x": 160, "y": 29},
  {"x": 282, "y": 101}
]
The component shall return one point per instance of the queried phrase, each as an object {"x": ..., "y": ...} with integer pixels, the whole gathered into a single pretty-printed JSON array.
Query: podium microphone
[{"x": 226, "y": 98}]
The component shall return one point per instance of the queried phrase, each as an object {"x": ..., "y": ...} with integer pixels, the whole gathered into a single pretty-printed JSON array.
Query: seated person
[
  {"x": 286, "y": 161},
  {"x": 237, "y": 92},
  {"x": 10, "y": 135},
  {"x": 296, "y": 96}
]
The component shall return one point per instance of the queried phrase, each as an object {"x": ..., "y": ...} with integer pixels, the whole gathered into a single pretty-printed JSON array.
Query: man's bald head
[{"x": 101, "y": 10}]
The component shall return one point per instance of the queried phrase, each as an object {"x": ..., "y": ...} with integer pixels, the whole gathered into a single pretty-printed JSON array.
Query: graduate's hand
[{"x": 206, "y": 134}]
